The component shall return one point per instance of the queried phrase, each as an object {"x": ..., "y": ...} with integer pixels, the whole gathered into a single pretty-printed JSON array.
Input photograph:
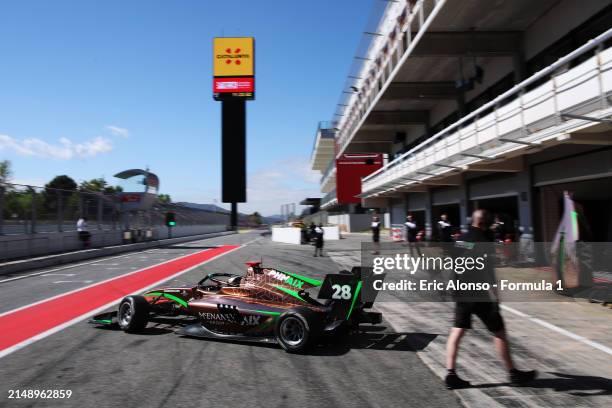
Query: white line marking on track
[
  {"x": 58, "y": 274},
  {"x": 83, "y": 281},
  {"x": 65, "y": 267},
  {"x": 559, "y": 330},
  {"x": 56, "y": 329}
]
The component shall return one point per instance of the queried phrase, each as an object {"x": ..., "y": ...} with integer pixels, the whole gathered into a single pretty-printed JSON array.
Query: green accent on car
[
  {"x": 311, "y": 281},
  {"x": 289, "y": 292},
  {"x": 168, "y": 296},
  {"x": 103, "y": 321},
  {"x": 266, "y": 312},
  {"x": 348, "y": 315}
]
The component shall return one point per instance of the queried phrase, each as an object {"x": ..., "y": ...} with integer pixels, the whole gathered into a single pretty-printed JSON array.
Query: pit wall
[{"x": 45, "y": 243}]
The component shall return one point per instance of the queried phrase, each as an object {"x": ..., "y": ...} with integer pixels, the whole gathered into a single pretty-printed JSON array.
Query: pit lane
[{"x": 106, "y": 367}]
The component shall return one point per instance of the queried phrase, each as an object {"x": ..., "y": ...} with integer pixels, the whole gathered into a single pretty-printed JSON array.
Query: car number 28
[{"x": 341, "y": 291}]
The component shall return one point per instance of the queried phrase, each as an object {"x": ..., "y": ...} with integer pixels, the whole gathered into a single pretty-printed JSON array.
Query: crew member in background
[
  {"x": 445, "y": 229},
  {"x": 84, "y": 234},
  {"x": 483, "y": 304},
  {"x": 319, "y": 232},
  {"x": 376, "y": 233},
  {"x": 411, "y": 234},
  {"x": 499, "y": 229}
]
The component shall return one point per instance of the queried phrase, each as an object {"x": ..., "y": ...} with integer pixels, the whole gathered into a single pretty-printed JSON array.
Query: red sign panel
[
  {"x": 226, "y": 85},
  {"x": 350, "y": 169}
]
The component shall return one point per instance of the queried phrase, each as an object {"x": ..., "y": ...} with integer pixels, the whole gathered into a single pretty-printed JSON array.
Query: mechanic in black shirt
[{"x": 477, "y": 241}]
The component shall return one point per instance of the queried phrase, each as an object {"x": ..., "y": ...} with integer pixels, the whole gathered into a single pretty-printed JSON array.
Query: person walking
[
  {"x": 319, "y": 232},
  {"x": 483, "y": 305},
  {"x": 376, "y": 233}
]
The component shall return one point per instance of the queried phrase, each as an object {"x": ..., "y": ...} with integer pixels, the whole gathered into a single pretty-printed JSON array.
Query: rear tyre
[
  {"x": 297, "y": 329},
  {"x": 133, "y": 314}
]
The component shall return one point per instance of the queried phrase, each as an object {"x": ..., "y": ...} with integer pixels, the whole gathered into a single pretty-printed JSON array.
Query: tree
[
  {"x": 62, "y": 182},
  {"x": 255, "y": 218},
  {"x": 98, "y": 185},
  {"x": 164, "y": 199},
  {"x": 5, "y": 171}
]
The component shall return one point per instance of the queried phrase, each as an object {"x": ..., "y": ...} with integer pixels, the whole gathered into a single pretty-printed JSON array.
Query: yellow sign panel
[{"x": 233, "y": 56}]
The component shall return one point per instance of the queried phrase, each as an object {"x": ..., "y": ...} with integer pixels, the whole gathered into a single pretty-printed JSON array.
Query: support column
[
  {"x": 428, "y": 215},
  {"x": 464, "y": 210},
  {"x": 525, "y": 211},
  {"x": 519, "y": 65},
  {"x": 234, "y": 217}
]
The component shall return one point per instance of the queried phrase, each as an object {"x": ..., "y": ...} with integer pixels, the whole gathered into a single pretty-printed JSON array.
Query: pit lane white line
[
  {"x": 559, "y": 330},
  {"x": 83, "y": 281},
  {"x": 56, "y": 329},
  {"x": 59, "y": 274},
  {"x": 67, "y": 267}
]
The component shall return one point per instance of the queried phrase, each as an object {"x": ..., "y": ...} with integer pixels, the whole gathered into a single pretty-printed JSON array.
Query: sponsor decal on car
[
  {"x": 235, "y": 318},
  {"x": 296, "y": 283}
]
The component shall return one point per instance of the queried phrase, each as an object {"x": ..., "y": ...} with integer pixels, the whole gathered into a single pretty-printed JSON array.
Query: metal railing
[
  {"x": 328, "y": 199},
  {"x": 386, "y": 53},
  {"x": 502, "y": 107},
  {"x": 26, "y": 209}
]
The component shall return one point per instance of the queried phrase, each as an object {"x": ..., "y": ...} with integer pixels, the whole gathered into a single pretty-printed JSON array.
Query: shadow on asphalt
[
  {"x": 373, "y": 340},
  {"x": 368, "y": 338},
  {"x": 577, "y": 385}
]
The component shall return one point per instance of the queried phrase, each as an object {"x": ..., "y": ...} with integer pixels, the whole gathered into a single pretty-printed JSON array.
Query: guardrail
[
  {"x": 386, "y": 54},
  {"x": 576, "y": 83}
]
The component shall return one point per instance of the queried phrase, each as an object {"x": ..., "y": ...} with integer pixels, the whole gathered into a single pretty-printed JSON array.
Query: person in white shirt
[
  {"x": 84, "y": 234},
  {"x": 411, "y": 234},
  {"x": 376, "y": 233},
  {"x": 445, "y": 228}
]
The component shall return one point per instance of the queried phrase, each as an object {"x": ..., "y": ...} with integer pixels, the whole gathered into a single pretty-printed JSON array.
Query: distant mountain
[
  {"x": 205, "y": 207},
  {"x": 241, "y": 217},
  {"x": 273, "y": 218}
]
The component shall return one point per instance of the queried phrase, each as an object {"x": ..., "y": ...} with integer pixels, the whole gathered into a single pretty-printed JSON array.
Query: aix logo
[{"x": 296, "y": 283}]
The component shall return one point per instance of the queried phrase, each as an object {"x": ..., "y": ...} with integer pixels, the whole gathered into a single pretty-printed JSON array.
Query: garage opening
[
  {"x": 418, "y": 217},
  {"x": 504, "y": 211},
  {"x": 593, "y": 199},
  {"x": 454, "y": 217}
]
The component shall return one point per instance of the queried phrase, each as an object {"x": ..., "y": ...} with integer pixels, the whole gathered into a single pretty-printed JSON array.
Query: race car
[{"x": 264, "y": 305}]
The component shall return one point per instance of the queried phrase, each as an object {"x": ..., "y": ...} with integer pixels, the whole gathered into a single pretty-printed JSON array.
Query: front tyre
[
  {"x": 296, "y": 330},
  {"x": 133, "y": 314}
]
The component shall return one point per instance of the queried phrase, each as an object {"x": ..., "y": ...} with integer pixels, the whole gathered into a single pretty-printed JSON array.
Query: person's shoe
[
  {"x": 518, "y": 377},
  {"x": 454, "y": 382}
]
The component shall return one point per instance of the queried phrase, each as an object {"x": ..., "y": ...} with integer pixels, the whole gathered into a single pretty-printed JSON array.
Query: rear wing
[{"x": 345, "y": 290}]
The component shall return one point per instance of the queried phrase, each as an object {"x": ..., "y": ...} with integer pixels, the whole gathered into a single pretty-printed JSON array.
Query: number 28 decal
[{"x": 341, "y": 292}]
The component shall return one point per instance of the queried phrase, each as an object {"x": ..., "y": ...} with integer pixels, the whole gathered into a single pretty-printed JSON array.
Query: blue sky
[{"x": 89, "y": 88}]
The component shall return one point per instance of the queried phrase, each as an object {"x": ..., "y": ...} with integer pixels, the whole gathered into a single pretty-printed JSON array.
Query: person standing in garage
[
  {"x": 411, "y": 234},
  {"x": 445, "y": 228}
]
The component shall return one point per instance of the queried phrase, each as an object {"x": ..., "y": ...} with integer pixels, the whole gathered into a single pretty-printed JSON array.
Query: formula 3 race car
[{"x": 264, "y": 305}]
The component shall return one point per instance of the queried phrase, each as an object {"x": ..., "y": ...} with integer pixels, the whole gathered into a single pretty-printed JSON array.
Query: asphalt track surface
[{"x": 107, "y": 368}]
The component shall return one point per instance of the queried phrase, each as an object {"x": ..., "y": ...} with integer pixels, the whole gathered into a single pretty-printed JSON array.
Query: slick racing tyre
[
  {"x": 133, "y": 314},
  {"x": 297, "y": 329}
]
